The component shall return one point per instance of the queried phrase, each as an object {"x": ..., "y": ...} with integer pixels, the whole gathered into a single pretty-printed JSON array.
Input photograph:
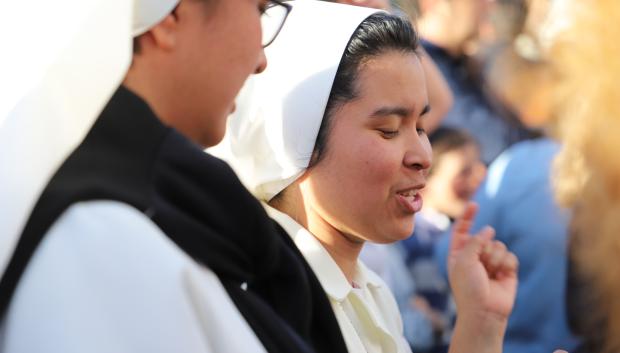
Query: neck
[
  {"x": 148, "y": 85},
  {"x": 343, "y": 248}
]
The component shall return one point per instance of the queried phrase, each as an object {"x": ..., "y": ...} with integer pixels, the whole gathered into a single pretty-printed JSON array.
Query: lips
[{"x": 410, "y": 200}]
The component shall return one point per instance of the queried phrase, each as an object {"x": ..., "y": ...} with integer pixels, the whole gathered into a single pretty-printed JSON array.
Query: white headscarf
[
  {"x": 271, "y": 136},
  {"x": 61, "y": 65}
]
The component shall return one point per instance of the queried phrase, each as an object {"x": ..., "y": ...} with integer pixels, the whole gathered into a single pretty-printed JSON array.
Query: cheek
[
  {"x": 357, "y": 174},
  {"x": 374, "y": 166},
  {"x": 462, "y": 188},
  {"x": 240, "y": 49}
]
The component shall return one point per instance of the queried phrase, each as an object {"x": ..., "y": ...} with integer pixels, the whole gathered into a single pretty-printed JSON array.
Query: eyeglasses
[{"x": 273, "y": 19}]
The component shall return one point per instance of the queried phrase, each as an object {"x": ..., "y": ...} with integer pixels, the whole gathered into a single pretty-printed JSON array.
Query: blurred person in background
[
  {"x": 517, "y": 199},
  {"x": 451, "y": 29},
  {"x": 440, "y": 95},
  {"x": 141, "y": 242},
  {"x": 453, "y": 179},
  {"x": 584, "y": 52}
]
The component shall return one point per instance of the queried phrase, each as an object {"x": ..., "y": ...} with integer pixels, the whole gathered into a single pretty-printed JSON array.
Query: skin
[
  {"x": 483, "y": 277},
  {"x": 194, "y": 62},
  {"x": 350, "y": 197},
  {"x": 452, "y": 24},
  {"x": 456, "y": 177},
  {"x": 439, "y": 94},
  {"x": 375, "y": 4}
]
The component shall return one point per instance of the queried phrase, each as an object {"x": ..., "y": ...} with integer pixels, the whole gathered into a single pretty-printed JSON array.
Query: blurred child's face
[{"x": 456, "y": 177}]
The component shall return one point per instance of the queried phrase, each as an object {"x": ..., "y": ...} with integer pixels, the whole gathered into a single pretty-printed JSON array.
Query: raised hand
[
  {"x": 483, "y": 273},
  {"x": 483, "y": 277}
]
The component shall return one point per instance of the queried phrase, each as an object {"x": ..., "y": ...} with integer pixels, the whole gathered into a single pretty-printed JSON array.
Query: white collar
[{"x": 325, "y": 268}]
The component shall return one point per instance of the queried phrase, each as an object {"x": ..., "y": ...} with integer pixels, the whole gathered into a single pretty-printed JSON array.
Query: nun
[
  {"x": 331, "y": 138},
  {"x": 138, "y": 241}
]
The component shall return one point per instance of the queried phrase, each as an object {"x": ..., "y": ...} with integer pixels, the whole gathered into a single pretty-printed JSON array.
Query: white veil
[{"x": 63, "y": 61}]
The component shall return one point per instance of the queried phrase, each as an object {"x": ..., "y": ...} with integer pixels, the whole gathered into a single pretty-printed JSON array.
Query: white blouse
[{"x": 367, "y": 313}]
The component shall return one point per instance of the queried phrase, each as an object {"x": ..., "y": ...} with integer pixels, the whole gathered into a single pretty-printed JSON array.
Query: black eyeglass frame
[{"x": 288, "y": 11}]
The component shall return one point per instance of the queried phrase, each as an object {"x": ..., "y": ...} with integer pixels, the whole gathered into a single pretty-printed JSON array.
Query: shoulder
[
  {"x": 108, "y": 235},
  {"x": 523, "y": 164},
  {"x": 106, "y": 279}
]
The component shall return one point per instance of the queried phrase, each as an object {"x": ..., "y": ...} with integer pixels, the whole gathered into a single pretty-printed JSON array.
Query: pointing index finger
[{"x": 460, "y": 232}]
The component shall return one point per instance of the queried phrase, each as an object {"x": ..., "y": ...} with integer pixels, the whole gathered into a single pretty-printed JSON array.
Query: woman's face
[{"x": 377, "y": 157}]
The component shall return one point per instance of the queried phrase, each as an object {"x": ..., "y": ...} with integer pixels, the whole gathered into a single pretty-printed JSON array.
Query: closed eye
[{"x": 388, "y": 134}]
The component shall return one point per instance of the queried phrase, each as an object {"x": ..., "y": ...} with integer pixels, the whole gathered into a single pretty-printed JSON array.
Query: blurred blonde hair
[{"x": 587, "y": 171}]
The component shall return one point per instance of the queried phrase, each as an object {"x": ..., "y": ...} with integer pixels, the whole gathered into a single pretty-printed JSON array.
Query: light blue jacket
[{"x": 517, "y": 200}]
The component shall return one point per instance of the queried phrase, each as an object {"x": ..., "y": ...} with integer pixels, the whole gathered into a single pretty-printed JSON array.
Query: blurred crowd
[
  {"x": 525, "y": 75},
  {"x": 523, "y": 122}
]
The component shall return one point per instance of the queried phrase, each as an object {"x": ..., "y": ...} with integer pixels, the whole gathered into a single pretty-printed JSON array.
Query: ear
[{"x": 164, "y": 34}]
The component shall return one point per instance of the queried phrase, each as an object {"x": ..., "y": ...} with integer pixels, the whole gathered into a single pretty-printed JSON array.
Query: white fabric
[
  {"x": 57, "y": 75},
  {"x": 60, "y": 76},
  {"x": 106, "y": 279},
  {"x": 270, "y": 139},
  {"x": 368, "y": 316},
  {"x": 148, "y": 13}
]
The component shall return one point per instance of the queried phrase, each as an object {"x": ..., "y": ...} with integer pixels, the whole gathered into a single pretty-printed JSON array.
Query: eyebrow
[{"x": 399, "y": 111}]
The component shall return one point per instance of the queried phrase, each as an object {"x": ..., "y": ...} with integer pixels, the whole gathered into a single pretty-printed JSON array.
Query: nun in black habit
[{"x": 140, "y": 241}]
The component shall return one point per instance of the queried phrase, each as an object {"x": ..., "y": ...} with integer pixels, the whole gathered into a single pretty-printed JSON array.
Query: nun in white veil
[
  {"x": 54, "y": 86},
  {"x": 331, "y": 138}
]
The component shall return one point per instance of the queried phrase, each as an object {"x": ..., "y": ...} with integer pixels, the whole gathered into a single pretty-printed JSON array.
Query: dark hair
[
  {"x": 446, "y": 139},
  {"x": 376, "y": 35}
]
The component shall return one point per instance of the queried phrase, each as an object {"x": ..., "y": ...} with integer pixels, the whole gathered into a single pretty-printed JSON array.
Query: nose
[
  {"x": 419, "y": 155},
  {"x": 262, "y": 62}
]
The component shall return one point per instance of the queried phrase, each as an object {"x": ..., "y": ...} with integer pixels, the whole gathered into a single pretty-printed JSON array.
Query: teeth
[{"x": 409, "y": 193}]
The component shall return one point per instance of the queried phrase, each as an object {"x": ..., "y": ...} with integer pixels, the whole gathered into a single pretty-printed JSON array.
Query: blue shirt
[{"x": 517, "y": 200}]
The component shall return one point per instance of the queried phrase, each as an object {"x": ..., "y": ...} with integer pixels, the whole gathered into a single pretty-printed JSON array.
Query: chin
[
  {"x": 403, "y": 232},
  {"x": 214, "y": 136}
]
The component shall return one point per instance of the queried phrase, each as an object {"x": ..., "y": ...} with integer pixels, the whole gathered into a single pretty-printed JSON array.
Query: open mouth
[{"x": 410, "y": 200}]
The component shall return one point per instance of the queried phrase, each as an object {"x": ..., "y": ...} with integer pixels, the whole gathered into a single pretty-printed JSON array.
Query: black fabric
[{"x": 199, "y": 203}]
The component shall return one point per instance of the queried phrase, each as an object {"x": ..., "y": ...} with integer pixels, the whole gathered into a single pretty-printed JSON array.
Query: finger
[
  {"x": 460, "y": 231},
  {"x": 501, "y": 262},
  {"x": 510, "y": 265},
  {"x": 464, "y": 222},
  {"x": 492, "y": 256},
  {"x": 497, "y": 255},
  {"x": 486, "y": 233},
  {"x": 473, "y": 248}
]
